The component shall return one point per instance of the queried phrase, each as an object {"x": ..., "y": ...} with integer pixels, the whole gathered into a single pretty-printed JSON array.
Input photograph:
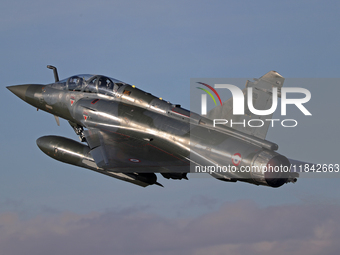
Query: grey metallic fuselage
[{"x": 176, "y": 137}]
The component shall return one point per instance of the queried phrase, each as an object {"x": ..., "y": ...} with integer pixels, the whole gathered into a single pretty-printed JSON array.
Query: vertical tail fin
[{"x": 262, "y": 100}]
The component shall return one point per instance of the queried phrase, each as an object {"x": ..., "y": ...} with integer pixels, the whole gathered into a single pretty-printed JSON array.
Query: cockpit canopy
[{"x": 90, "y": 84}]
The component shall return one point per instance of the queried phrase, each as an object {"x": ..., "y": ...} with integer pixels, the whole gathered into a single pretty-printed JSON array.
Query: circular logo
[
  {"x": 236, "y": 158},
  {"x": 134, "y": 160}
]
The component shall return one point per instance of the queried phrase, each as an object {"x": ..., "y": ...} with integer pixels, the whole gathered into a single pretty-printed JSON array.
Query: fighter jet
[{"x": 131, "y": 135}]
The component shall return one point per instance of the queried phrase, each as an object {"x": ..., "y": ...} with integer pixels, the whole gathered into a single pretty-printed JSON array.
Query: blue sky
[{"x": 158, "y": 46}]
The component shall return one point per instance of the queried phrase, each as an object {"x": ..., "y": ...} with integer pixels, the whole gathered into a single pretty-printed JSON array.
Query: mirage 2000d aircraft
[{"x": 129, "y": 134}]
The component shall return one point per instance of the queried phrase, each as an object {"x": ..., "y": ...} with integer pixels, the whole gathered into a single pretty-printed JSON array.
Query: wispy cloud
[{"x": 235, "y": 228}]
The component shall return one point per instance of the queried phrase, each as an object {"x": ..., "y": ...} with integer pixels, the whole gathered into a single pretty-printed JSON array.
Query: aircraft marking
[{"x": 236, "y": 159}]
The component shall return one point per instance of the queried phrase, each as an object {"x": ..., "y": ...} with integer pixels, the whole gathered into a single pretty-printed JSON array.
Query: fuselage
[{"x": 96, "y": 101}]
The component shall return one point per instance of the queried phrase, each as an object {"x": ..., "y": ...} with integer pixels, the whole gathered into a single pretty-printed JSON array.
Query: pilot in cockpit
[
  {"x": 105, "y": 85},
  {"x": 79, "y": 84}
]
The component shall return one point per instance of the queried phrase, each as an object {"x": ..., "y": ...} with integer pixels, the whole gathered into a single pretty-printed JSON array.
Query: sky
[{"x": 48, "y": 206}]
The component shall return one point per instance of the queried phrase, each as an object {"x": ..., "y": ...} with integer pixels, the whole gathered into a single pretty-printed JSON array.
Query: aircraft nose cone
[{"x": 19, "y": 90}]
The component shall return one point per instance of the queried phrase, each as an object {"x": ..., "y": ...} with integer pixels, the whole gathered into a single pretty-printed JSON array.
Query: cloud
[{"x": 235, "y": 228}]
